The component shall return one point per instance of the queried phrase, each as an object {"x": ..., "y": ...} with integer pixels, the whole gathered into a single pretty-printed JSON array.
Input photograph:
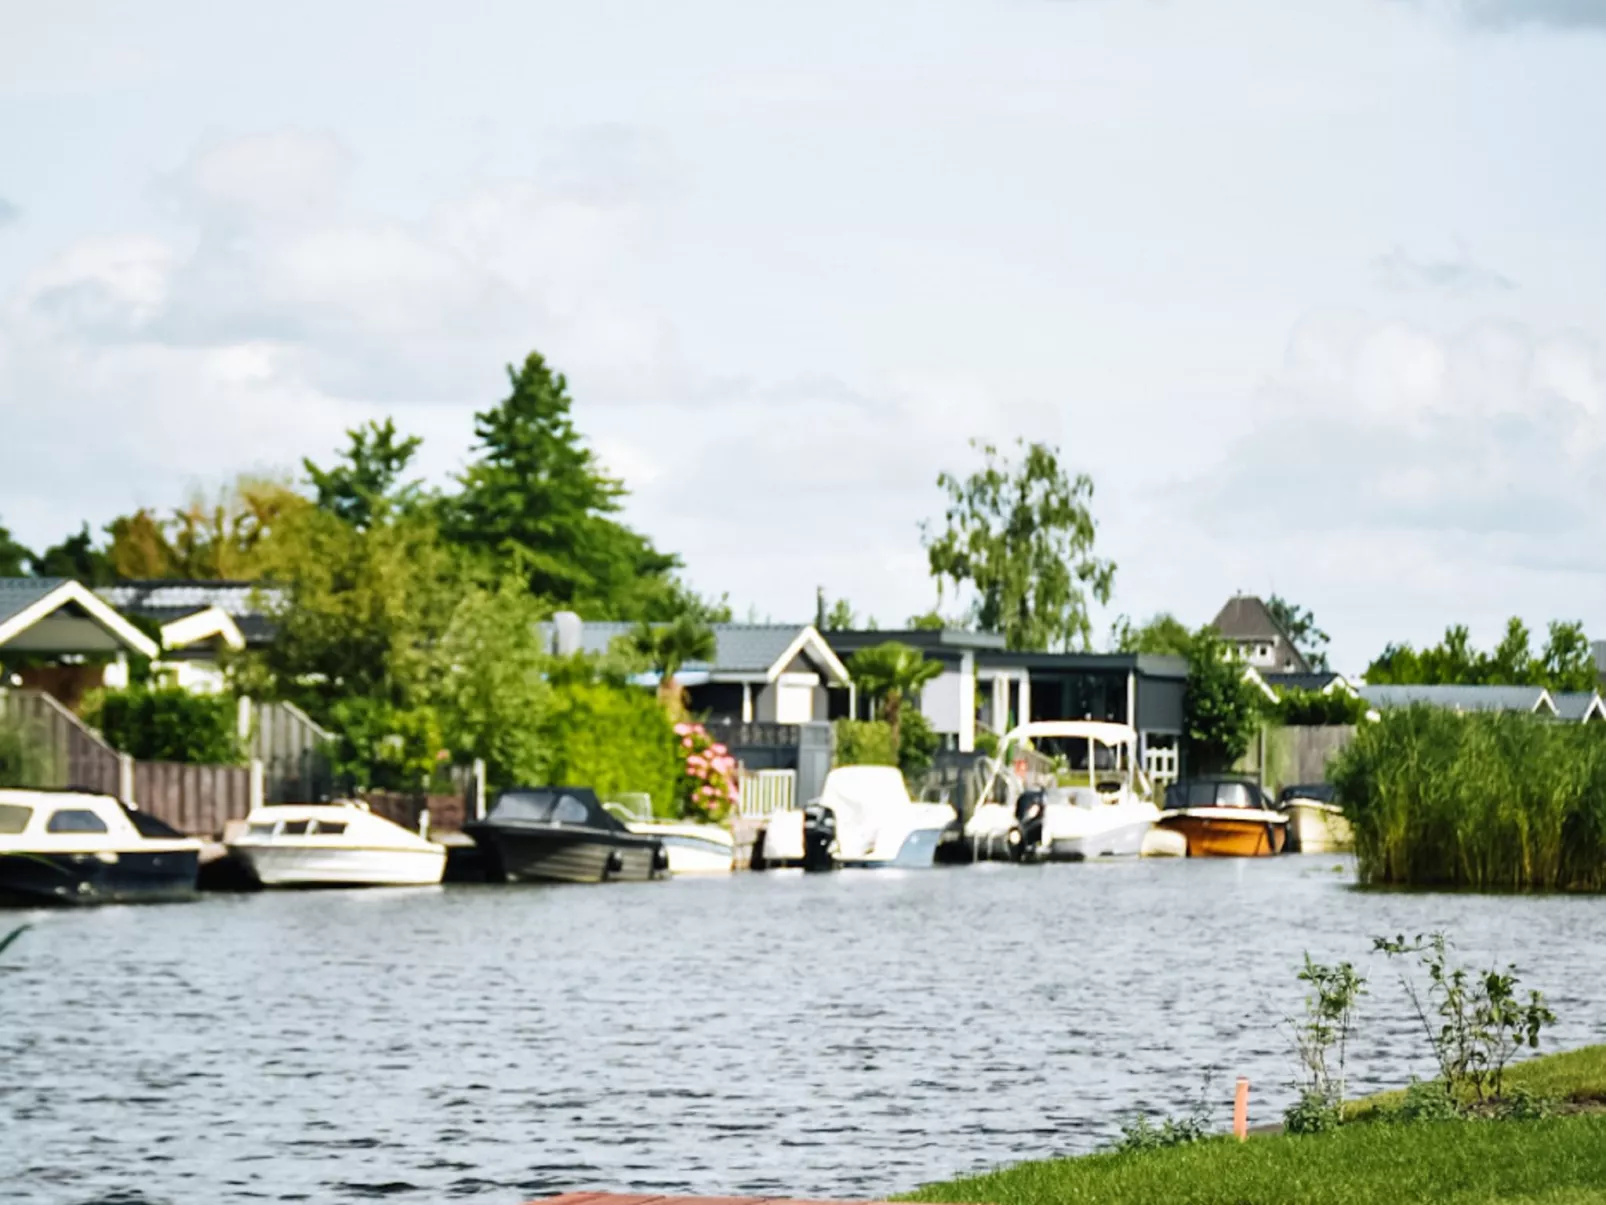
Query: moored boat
[
  {"x": 74, "y": 847},
  {"x": 865, "y": 819},
  {"x": 1316, "y": 822},
  {"x": 690, "y": 847},
  {"x": 1224, "y": 818},
  {"x": 562, "y": 835},
  {"x": 339, "y": 844}
]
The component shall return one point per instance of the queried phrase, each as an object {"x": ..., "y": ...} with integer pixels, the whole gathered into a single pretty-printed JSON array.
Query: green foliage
[
  {"x": 1426, "y": 1101},
  {"x": 382, "y": 747},
  {"x": 1164, "y": 634},
  {"x": 918, "y": 743},
  {"x": 864, "y": 743},
  {"x": 1520, "y": 1104},
  {"x": 667, "y": 647},
  {"x": 1221, "y": 712},
  {"x": 21, "y": 762},
  {"x": 14, "y": 558},
  {"x": 490, "y": 689},
  {"x": 536, "y": 501},
  {"x": 1020, "y": 537},
  {"x": 77, "y": 557},
  {"x": 892, "y": 674},
  {"x": 1296, "y": 708},
  {"x": 931, "y": 621},
  {"x": 1139, "y": 1134},
  {"x": 1474, "y": 1021},
  {"x": 1321, "y": 1044},
  {"x": 1566, "y": 662},
  {"x": 366, "y": 483},
  {"x": 1301, "y": 627},
  {"x": 1487, "y": 801},
  {"x": 167, "y": 723},
  {"x": 614, "y": 739},
  {"x": 838, "y": 616}
]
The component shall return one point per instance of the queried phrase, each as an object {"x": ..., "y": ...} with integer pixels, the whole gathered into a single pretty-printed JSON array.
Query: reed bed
[{"x": 1483, "y": 801}]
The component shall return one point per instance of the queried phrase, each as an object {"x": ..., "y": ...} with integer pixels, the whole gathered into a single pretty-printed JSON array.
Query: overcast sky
[{"x": 1314, "y": 291}]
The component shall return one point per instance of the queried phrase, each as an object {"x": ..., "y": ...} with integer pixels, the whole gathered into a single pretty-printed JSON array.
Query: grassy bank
[
  {"x": 1559, "y": 1160},
  {"x": 1491, "y": 802}
]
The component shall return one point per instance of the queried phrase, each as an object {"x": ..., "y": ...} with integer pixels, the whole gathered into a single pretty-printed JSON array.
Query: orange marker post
[{"x": 1240, "y": 1110}]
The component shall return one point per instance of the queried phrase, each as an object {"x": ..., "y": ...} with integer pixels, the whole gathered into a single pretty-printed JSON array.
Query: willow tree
[{"x": 1018, "y": 536}]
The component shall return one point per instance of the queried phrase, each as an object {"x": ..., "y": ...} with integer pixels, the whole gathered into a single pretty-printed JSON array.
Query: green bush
[
  {"x": 864, "y": 743},
  {"x": 918, "y": 743},
  {"x": 386, "y": 748},
  {"x": 1487, "y": 801},
  {"x": 20, "y": 763},
  {"x": 167, "y": 723},
  {"x": 613, "y": 739},
  {"x": 1312, "y": 708}
]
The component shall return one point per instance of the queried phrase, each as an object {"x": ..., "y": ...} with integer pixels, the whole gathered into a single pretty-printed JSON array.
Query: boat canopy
[
  {"x": 567, "y": 806},
  {"x": 1103, "y": 732}
]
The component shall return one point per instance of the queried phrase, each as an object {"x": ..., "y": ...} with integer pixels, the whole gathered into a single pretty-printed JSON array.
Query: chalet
[{"x": 1263, "y": 643}]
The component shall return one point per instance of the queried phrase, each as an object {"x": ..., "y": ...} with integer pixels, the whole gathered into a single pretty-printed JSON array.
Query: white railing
[
  {"x": 1161, "y": 767},
  {"x": 766, "y": 791}
]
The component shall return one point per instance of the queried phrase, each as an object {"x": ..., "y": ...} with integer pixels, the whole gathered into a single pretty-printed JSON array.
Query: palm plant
[
  {"x": 892, "y": 673},
  {"x": 668, "y": 647}
]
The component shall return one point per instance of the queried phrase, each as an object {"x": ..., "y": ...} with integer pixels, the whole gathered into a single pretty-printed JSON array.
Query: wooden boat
[
  {"x": 73, "y": 847},
  {"x": 1316, "y": 823},
  {"x": 1224, "y": 818},
  {"x": 563, "y": 835}
]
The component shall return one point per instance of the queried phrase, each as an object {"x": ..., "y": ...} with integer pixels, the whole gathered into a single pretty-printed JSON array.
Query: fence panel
[
  {"x": 294, "y": 752},
  {"x": 446, "y": 812},
  {"x": 198, "y": 800},
  {"x": 69, "y": 753},
  {"x": 767, "y": 791}
]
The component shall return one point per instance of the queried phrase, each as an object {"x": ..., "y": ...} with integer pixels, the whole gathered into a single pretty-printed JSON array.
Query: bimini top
[
  {"x": 1102, "y": 731},
  {"x": 564, "y": 807}
]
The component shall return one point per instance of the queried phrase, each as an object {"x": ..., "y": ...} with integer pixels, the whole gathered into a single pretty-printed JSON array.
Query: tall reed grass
[{"x": 1486, "y": 801}]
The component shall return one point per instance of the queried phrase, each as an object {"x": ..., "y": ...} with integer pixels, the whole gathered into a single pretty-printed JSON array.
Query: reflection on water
[{"x": 843, "y": 1035}]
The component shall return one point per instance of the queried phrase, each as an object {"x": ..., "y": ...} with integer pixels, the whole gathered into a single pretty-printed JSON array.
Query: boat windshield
[
  {"x": 542, "y": 807},
  {"x": 1322, "y": 792},
  {"x": 14, "y": 818}
]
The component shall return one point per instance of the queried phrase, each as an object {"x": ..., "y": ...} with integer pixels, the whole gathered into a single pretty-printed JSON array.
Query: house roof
[
  {"x": 1245, "y": 617},
  {"x": 1579, "y": 705},
  {"x": 167, "y": 601},
  {"x": 1319, "y": 680},
  {"x": 957, "y": 640},
  {"x": 58, "y": 615},
  {"x": 1153, "y": 665},
  {"x": 740, "y": 649},
  {"x": 1463, "y": 698}
]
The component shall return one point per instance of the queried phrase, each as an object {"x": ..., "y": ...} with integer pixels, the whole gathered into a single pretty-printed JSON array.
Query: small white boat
[
  {"x": 692, "y": 848},
  {"x": 1110, "y": 818},
  {"x": 864, "y": 818},
  {"x": 339, "y": 844},
  {"x": 74, "y": 847},
  {"x": 1316, "y": 824}
]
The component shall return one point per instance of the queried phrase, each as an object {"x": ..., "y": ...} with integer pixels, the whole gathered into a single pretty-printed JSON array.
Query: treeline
[{"x": 1565, "y": 662}]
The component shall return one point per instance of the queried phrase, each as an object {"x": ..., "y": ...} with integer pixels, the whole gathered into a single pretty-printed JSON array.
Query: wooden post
[
  {"x": 257, "y": 792},
  {"x": 1240, "y": 1110},
  {"x": 479, "y": 789}
]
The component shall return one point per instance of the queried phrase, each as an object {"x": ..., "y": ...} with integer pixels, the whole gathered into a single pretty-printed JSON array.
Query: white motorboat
[
  {"x": 865, "y": 818},
  {"x": 339, "y": 844},
  {"x": 1110, "y": 817},
  {"x": 74, "y": 847},
  {"x": 692, "y": 848},
  {"x": 1316, "y": 823}
]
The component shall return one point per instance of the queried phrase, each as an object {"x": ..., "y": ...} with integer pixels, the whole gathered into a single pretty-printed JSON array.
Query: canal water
[{"x": 845, "y": 1035}]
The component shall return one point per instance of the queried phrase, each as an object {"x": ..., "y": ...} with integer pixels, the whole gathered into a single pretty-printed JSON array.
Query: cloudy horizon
[{"x": 1315, "y": 296}]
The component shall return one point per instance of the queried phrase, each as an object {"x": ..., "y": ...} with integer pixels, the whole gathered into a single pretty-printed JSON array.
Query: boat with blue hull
[{"x": 77, "y": 848}]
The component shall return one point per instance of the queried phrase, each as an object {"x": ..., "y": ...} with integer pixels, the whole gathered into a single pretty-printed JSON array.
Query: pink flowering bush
[{"x": 708, "y": 789}]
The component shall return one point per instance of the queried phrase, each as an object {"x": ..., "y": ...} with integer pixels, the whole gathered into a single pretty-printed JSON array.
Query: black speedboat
[
  {"x": 562, "y": 834},
  {"x": 73, "y": 847}
]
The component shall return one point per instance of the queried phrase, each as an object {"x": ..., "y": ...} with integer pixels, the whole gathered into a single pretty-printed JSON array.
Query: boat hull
[
  {"x": 1318, "y": 828},
  {"x": 283, "y": 865},
  {"x": 692, "y": 848},
  {"x": 1215, "y": 836},
  {"x": 104, "y": 877},
  {"x": 918, "y": 851},
  {"x": 566, "y": 856},
  {"x": 1122, "y": 841}
]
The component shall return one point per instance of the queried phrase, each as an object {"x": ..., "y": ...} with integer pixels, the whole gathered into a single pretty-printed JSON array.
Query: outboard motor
[
  {"x": 1029, "y": 816},
  {"x": 819, "y": 837}
]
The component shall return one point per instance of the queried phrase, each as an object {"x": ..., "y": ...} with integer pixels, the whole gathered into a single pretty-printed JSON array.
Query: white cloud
[{"x": 1452, "y": 273}]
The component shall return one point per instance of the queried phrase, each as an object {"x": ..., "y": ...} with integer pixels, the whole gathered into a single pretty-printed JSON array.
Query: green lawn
[
  {"x": 1556, "y": 1161},
  {"x": 1573, "y": 1075}
]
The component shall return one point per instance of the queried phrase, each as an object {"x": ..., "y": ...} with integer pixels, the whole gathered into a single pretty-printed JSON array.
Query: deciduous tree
[
  {"x": 1301, "y": 627},
  {"x": 1018, "y": 535}
]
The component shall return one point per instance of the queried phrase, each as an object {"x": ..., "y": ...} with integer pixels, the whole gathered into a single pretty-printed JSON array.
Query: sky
[{"x": 1315, "y": 292}]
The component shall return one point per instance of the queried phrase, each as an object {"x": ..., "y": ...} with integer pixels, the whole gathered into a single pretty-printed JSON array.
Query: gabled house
[
  {"x": 1322, "y": 681},
  {"x": 1247, "y": 623},
  {"x": 69, "y": 637},
  {"x": 761, "y": 673},
  {"x": 1580, "y": 706},
  {"x": 199, "y": 623}
]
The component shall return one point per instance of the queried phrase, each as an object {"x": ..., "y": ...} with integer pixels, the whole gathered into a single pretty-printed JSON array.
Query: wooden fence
[
  {"x": 198, "y": 800},
  {"x": 61, "y": 750},
  {"x": 294, "y": 752},
  {"x": 446, "y": 812}
]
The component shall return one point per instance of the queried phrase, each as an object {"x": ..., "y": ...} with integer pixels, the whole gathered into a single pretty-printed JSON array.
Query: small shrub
[
  {"x": 1141, "y": 1135},
  {"x": 1312, "y": 708},
  {"x": 864, "y": 743},
  {"x": 707, "y": 789},
  {"x": 167, "y": 723},
  {"x": 21, "y": 764},
  {"x": 385, "y": 748},
  {"x": 918, "y": 743},
  {"x": 1523, "y": 1104},
  {"x": 1314, "y": 1113},
  {"x": 1426, "y": 1101}
]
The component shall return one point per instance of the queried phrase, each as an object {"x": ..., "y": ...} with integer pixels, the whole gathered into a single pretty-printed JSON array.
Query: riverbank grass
[{"x": 1558, "y": 1160}]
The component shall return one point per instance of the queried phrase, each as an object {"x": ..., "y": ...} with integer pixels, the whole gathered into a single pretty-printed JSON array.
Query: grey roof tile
[
  {"x": 1574, "y": 704},
  {"x": 738, "y": 647},
  {"x": 17, "y": 594},
  {"x": 1458, "y": 698}
]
